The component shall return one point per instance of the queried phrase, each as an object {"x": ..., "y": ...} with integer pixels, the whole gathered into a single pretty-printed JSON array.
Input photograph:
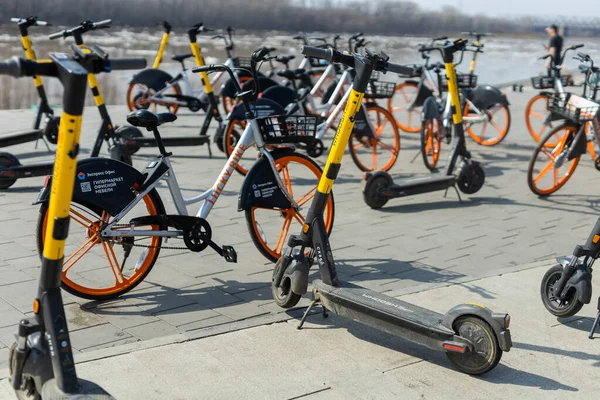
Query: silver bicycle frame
[{"x": 250, "y": 137}]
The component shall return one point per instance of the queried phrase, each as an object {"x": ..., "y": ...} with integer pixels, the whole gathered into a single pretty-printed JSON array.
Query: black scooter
[
  {"x": 11, "y": 169},
  {"x": 566, "y": 287},
  {"x": 379, "y": 187},
  {"x": 472, "y": 336},
  {"x": 41, "y": 360}
]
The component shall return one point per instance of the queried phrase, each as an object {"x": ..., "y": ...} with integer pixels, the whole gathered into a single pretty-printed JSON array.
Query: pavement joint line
[
  {"x": 309, "y": 393},
  {"x": 537, "y": 244},
  {"x": 404, "y": 365},
  {"x": 378, "y": 247},
  {"x": 493, "y": 255},
  {"x": 476, "y": 237},
  {"x": 214, "y": 273},
  {"x": 456, "y": 258},
  {"x": 260, "y": 272}
]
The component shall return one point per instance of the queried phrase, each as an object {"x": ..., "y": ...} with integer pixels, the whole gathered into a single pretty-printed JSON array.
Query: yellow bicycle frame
[{"x": 30, "y": 55}]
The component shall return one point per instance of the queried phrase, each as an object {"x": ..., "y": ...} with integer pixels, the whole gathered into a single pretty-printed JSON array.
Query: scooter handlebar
[
  {"x": 128, "y": 63},
  {"x": 11, "y": 67}
]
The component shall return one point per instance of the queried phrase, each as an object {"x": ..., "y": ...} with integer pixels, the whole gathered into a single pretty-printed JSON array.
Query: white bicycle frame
[
  {"x": 250, "y": 137},
  {"x": 188, "y": 89}
]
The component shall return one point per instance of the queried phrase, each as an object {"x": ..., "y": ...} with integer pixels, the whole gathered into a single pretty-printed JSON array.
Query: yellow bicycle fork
[{"x": 474, "y": 60}]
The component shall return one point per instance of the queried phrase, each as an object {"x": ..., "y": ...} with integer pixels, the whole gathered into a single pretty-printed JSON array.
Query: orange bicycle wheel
[
  {"x": 431, "y": 143},
  {"x": 270, "y": 228},
  {"x": 549, "y": 167},
  {"x": 536, "y": 118},
  {"x": 404, "y": 95},
  {"x": 491, "y": 131},
  {"x": 379, "y": 152},
  {"x": 97, "y": 268},
  {"x": 138, "y": 98}
]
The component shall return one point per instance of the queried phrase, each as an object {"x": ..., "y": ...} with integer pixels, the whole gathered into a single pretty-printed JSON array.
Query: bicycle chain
[{"x": 149, "y": 246}]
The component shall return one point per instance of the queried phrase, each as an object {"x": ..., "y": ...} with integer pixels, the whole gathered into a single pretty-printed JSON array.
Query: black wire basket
[
  {"x": 547, "y": 82},
  {"x": 280, "y": 129},
  {"x": 573, "y": 107},
  {"x": 464, "y": 81},
  {"x": 242, "y": 62},
  {"x": 380, "y": 90}
]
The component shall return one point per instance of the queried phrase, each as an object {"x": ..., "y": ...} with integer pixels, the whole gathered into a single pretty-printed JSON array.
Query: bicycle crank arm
[{"x": 227, "y": 252}]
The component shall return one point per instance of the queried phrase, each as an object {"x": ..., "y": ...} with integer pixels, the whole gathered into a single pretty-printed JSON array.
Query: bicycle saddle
[
  {"x": 148, "y": 119},
  {"x": 181, "y": 57},
  {"x": 285, "y": 59}
]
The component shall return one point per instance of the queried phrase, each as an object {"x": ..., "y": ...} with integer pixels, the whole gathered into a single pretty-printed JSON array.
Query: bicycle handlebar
[
  {"x": 167, "y": 27},
  {"x": 83, "y": 27}
]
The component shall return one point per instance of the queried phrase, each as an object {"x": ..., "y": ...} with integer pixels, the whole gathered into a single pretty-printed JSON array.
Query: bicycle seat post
[{"x": 159, "y": 142}]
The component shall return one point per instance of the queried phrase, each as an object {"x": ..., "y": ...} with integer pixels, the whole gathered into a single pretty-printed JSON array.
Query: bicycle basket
[
  {"x": 547, "y": 82},
  {"x": 464, "y": 81},
  {"x": 380, "y": 90},
  {"x": 242, "y": 62},
  {"x": 288, "y": 129},
  {"x": 573, "y": 108}
]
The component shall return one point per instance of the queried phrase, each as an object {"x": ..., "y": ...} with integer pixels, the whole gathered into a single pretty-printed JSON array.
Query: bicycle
[
  {"x": 40, "y": 362},
  {"x": 106, "y": 194},
  {"x": 536, "y": 111},
  {"x": 558, "y": 153}
]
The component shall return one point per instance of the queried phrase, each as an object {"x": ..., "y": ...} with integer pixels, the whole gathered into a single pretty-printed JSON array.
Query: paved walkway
[
  {"x": 335, "y": 358},
  {"x": 410, "y": 245}
]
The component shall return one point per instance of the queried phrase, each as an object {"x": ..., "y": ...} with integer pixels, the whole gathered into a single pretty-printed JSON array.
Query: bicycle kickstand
[{"x": 596, "y": 322}]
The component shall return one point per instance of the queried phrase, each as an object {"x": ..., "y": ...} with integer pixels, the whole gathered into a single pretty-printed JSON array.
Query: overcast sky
[{"x": 588, "y": 8}]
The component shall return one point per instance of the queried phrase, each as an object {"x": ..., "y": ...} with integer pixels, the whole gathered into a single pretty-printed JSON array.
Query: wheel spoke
[
  {"x": 87, "y": 223},
  {"x": 114, "y": 264},
  {"x": 93, "y": 240},
  {"x": 284, "y": 231},
  {"x": 309, "y": 195},
  {"x": 495, "y": 125},
  {"x": 544, "y": 171},
  {"x": 536, "y": 114}
]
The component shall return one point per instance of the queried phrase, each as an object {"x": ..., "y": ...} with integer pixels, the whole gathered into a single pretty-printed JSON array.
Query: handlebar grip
[
  {"x": 400, "y": 69},
  {"x": 58, "y": 35},
  {"x": 128, "y": 63},
  {"x": 11, "y": 67},
  {"x": 544, "y": 57},
  {"x": 207, "y": 68},
  {"x": 102, "y": 24},
  {"x": 577, "y": 46},
  {"x": 260, "y": 54},
  {"x": 316, "y": 52},
  {"x": 15, "y": 20},
  {"x": 440, "y": 38}
]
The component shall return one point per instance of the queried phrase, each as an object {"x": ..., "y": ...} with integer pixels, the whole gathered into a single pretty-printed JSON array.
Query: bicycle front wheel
[
  {"x": 409, "y": 120},
  {"x": 549, "y": 167},
  {"x": 537, "y": 118},
  {"x": 99, "y": 268},
  {"x": 378, "y": 151},
  {"x": 431, "y": 143},
  {"x": 493, "y": 129},
  {"x": 270, "y": 228}
]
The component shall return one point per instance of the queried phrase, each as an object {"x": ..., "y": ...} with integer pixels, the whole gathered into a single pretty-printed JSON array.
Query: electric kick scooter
[
  {"x": 379, "y": 186},
  {"x": 41, "y": 360},
  {"x": 472, "y": 336},
  {"x": 51, "y": 130},
  {"x": 11, "y": 171}
]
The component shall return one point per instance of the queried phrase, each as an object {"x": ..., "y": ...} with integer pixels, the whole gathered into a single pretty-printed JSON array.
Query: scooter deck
[
  {"x": 385, "y": 313},
  {"x": 15, "y": 138},
  {"x": 408, "y": 187},
  {"x": 28, "y": 171},
  {"x": 171, "y": 141}
]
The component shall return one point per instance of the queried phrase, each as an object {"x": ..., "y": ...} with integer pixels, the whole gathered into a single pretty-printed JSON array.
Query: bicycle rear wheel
[
  {"x": 549, "y": 168},
  {"x": 404, "y": 96},
  {"x": 96, "y": 268},
  {"x": 491, "y": 131},
  {"x": 270, "y": 228},
  {"x": 380, "y": 150},
  {"x": 139, "y": 98}
]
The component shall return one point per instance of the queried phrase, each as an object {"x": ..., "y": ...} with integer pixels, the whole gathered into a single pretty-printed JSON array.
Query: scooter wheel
[
  {"x": 128, "y": 134},
  {"x": 486, "y": 353},
  {"x": 27, "y": 391},
  {"x": 283, "y": 295},
  {"x": 560, "y": 308},
  {"x": 597, "y": 164},
  {"x": 7, "y": 161},
  {"x": 372, "y": 194},
  {"x": 471, "y": 178}
]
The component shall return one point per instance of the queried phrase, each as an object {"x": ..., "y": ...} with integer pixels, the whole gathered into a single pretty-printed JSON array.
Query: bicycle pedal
[{"x": 229, "y": 254}]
